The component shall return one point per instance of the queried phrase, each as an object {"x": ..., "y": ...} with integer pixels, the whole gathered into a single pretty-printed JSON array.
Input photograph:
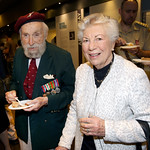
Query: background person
[
  {"x": 9, "y": 52},
  {"x": 2, "y": 63},
  {"x": 3, "y": 117},
  {"x": 133, "y": 31},
  {"x": 18, "y": 44},
  {"x": 13, "y": 139},
  {"x": 110, "y": 93},
  {"x": 12, "y": 135},
  {"x": 40, "y": 126},
  {"x": 3, "y": 127}
]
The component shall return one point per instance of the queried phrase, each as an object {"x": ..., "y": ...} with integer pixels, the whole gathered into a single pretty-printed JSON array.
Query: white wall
[
  {"x": 65, "y": 24},
  {"x": 52, "y": 31},
  {"x": 111, "y": 8}
]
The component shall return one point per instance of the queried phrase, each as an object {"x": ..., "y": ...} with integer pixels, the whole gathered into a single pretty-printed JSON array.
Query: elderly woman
[{"x": 111, "y": 93}]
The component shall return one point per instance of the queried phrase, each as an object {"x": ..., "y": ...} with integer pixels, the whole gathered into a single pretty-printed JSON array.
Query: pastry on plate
[
  {"x": 129, "y": 44},
  {"x": 145, "y": 58},
  {"x": 15, "y": 104}
]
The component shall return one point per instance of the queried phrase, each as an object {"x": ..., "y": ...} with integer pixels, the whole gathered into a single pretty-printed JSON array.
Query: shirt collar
[{"x": 133, "y": 27}]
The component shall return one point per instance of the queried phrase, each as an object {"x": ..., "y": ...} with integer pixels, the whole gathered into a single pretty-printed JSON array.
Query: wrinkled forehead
[{"x": 32, "y": 27}]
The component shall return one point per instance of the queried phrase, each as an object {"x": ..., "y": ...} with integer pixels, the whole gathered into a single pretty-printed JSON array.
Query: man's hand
[
  {"x": 120, "y": 41},
  {"x": 133, "y": 51},
  {"x": 37, "y": 103}
]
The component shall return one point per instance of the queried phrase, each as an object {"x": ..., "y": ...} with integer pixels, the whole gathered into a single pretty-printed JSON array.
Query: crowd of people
[{"x": 103, "y": 104}]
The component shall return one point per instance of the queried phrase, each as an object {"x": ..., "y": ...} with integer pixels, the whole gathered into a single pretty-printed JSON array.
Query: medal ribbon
[{"x": 51, "y": 85}]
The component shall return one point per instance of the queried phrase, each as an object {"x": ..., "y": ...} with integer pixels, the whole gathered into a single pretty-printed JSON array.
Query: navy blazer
[{"x": 46, "y": 124}]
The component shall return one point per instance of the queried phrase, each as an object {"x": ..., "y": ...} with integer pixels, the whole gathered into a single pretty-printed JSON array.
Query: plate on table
[
  {"x": 129, "y": 47},
  {"x": 145, "y": 62},
  {"x": 23, "y": 102}
]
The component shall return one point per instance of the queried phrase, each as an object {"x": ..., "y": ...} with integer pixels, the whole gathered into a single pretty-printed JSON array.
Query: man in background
[
  {"x": 44, "y": 74},
  {"x": 5, "y": 65},
  {"x": 9, "y": 52},
  {"x": 132, "y": 31}
]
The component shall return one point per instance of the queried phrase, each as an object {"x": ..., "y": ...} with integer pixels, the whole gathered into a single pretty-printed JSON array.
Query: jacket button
[{"x": 45, "y": 121}]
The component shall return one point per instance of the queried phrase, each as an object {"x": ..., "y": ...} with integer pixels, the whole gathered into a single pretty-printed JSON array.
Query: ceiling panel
[{"x": 7, "y": 4}]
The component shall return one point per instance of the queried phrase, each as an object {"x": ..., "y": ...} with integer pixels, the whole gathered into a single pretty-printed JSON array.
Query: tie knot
[{"x": 33, "y": 62}]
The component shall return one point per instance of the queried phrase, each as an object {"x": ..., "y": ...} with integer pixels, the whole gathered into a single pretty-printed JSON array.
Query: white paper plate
[
  {"x": 18, "y": 108},
  {"x": 129, "y": 47},
  {"x": 141, "y": 61},
  {"x": 145, "y": 62}
]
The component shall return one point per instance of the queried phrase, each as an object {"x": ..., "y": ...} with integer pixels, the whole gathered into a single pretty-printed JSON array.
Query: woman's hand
[
  {"x": 10, "y": 96},
  {"x": 37, "y": 103},
  {"x": 60, "y": 148},
  {"x": 92, "y": 126}
]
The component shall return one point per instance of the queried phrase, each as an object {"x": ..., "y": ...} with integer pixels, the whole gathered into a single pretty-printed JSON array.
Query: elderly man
[{"x": 44, "y": 74}]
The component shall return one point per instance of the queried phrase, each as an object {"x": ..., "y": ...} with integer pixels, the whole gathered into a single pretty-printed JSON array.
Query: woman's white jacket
[{"x": 123, "y": 97}]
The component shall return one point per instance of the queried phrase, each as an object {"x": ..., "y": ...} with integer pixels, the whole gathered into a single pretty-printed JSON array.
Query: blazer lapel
[
  {"x": 24, "y": 67},
  {"x": 24, "y": 70},
  {"x": 45, "y": 67}
]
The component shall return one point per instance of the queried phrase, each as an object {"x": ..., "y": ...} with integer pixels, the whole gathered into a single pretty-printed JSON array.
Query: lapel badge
[{"x": 50, "y": 76}]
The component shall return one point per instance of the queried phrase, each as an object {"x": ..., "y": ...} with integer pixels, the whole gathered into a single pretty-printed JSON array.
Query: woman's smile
[{"x": 94, "y": 55}]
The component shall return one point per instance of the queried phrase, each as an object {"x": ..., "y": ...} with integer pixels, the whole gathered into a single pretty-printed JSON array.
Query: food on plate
[
  {"x": 145, "y": 58},
  {"x": 16, "y": 105},
  {"x": 130, "y": 44}
]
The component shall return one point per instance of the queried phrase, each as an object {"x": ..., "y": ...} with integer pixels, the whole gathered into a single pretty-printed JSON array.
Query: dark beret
[{"x": 30, "y": 17}]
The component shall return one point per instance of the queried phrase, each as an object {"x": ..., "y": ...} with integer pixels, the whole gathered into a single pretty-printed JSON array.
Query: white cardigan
[{"x": 122, "y": 97}]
